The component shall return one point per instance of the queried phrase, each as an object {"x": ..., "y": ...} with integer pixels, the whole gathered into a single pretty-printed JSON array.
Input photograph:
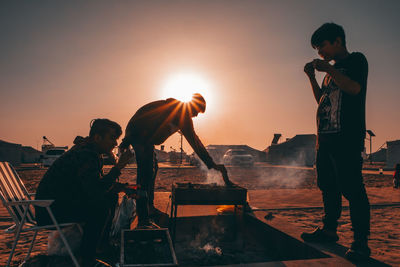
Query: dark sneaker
[
  {"x": 100, "y": 263},
  {"x": 358, "y": 251},
  {"x": 94, "y": 263},
  {"x": 320, "y": 236},
  {"x": 155, "y": 213},
  {"x": 108, "y": 253}
]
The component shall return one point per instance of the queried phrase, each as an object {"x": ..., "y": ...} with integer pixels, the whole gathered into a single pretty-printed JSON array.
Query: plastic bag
[
  {"x": 124, "y": 215},
  {"x": 396, "y": 182},
  {"x": 55, "y": 245}
]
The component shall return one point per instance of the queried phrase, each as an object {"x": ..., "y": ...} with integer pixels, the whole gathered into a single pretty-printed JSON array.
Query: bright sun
[{"x": 183, "y": 85}]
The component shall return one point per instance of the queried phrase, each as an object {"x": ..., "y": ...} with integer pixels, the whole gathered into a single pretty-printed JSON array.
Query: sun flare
[{"x": 183, "y": 85}]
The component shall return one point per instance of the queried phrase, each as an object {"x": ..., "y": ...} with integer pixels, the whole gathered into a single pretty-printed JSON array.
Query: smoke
[
  {"x": 287, "y": 176},
  {"x": 208, "y": 237},
  {"x": 281, "y": 178},
  {"x": 213, "y": 176},
  {"x": 292, "y": 174}
]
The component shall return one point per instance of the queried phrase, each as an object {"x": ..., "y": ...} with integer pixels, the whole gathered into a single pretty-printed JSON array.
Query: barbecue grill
[{"x": 204, "y": 194}]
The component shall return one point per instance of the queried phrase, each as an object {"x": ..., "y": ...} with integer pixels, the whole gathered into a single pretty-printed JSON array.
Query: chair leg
[
  {"x": 80, "y": 228},
  {"x": 12, "y": 251},
  {"x": 17, "y": 235},
  {"x": 62, "y": 237},
  {"x": 31, "y": 246}
]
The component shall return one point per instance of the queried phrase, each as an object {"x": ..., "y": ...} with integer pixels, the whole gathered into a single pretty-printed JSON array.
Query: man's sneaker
[
  {"x": 358, "y": 251},
  {"x": 94, "y": 263},
  {"x": 154, "y": 212},
  {"x": 320, "y": 236},
  {"x": 100, "y": 263}
]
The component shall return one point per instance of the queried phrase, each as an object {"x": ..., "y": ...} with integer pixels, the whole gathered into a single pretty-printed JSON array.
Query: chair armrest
[{"x": 40, "y": 203}]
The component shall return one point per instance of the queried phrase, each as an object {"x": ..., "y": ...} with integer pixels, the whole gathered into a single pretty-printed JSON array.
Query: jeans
[
  {"x": 339, "y": 172},
  {"x": 147, "y": 167}
]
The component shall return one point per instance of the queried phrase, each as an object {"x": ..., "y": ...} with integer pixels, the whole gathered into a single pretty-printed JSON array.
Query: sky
[{"x": 63, "y": 63}]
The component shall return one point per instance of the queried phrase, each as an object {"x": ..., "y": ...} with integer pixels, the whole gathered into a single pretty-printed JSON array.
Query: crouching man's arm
[{"x": 93, "y": 183}]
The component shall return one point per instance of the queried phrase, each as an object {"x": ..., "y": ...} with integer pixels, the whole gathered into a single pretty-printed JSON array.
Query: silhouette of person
[
  {"x": 151, "y": 125},
  {"x": 341, "y": 134},
  {"x": 396, "y": 176},
  {"x": 80, "y": 190}
]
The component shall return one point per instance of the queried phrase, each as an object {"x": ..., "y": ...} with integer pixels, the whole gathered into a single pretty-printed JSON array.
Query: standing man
[
  {"x": 151, "y": 125},
  {"x": 341, "y": 133}
]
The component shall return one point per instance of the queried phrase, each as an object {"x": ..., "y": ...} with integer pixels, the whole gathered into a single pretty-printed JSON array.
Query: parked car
[
  {"x": 51, "y": 155},
  {"x": 238, "y": 157}
]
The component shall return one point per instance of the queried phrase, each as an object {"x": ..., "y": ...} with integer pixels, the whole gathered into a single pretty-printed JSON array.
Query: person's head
[
  {"x": 329, "y": 40},
  {"x": 104, "y": 133},
  {"x": 197, "y": 104}
]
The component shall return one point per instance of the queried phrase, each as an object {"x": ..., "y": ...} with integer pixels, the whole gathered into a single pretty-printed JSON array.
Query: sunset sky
[{"x": 63, "y": 63}]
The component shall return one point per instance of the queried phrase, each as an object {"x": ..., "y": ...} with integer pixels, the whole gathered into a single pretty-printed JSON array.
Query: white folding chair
[{"x": 19, "y": 204}]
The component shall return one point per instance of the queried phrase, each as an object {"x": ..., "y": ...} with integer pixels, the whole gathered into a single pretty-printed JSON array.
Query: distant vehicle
[
  {"x": 51, "y": 155},
  {"x": 238, "y": 157}
]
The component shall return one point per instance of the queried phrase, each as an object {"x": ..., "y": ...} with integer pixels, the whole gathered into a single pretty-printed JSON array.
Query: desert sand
[{"x": 287, "y": 193}]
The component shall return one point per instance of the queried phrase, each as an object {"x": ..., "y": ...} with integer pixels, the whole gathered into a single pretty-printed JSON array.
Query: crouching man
[{"x": 81, "y": 192}]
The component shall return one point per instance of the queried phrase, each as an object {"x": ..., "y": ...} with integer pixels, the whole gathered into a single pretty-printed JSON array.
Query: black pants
[
  {"x": 96, "y": 218},
  {"x": 339, "y": 173},
  {"x": 147, "y": 167}
]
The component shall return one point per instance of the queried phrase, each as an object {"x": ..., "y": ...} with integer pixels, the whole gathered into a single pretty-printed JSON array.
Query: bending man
[{"x": 151, "y": 125}]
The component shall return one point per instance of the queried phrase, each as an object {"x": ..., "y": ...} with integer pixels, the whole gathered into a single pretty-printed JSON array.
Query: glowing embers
[{"x": 226, "y": 209}]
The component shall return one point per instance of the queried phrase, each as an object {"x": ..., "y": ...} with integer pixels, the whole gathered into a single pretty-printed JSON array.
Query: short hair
[
  {"x": 328, "y": 32},
  {"x": 198, "y": 102},
  {"x": 102, "y": 126}
]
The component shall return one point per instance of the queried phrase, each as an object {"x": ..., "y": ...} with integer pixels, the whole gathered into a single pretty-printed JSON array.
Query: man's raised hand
[
  {"x": 321, "y": 65},
  {"x": 309, "y": 69},
  {"x": 124, "y": 159}
]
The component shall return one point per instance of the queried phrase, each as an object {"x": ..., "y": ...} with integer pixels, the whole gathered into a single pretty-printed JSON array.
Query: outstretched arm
[{"x": 201, "y": 151}]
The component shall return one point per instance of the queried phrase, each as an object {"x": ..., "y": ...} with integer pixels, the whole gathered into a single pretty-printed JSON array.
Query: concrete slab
[
  {"x": 283, "y": 231},
  {"x": 283, "y": 198},
  {"x": 302, "y": 198}
]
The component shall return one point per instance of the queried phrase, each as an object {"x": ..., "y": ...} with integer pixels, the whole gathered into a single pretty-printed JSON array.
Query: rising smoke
[{"x": 292, "y": 175}]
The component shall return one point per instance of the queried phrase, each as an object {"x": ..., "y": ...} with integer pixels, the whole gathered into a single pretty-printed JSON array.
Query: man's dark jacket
[{"x": 75, "y": 181}]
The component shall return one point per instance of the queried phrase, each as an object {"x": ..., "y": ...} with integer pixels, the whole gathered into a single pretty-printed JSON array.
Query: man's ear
[
  {"x": 97, "y": 138},
  {"x": 339, "y": 41}
]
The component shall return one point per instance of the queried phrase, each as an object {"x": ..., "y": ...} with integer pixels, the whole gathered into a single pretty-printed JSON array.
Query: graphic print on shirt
[{"x": 329, "y": 108}]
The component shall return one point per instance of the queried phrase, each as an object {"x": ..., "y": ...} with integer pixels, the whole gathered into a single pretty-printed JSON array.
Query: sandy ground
[{"x": 288, "y": 193}]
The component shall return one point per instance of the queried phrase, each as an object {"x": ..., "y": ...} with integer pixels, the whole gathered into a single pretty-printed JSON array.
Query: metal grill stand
[{"x": 204, "y": 194}]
